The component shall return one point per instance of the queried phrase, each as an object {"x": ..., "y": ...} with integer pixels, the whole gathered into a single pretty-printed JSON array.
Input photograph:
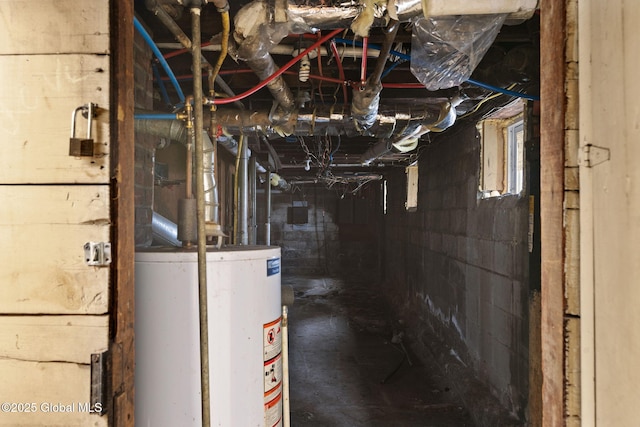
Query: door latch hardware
[
  {"x": 82, "y": 147},
  {"x": 592, "y": 155},
  {"x": 97, "y": 253},
  {"x": 99, "y": 383}
]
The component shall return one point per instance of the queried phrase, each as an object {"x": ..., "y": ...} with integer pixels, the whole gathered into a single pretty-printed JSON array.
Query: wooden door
[
  {"x": 57, "y": 312},
  {"x": 610, "y": 211}
]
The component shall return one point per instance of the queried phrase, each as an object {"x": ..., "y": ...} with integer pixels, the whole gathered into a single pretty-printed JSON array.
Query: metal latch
[
  {"x": 82, "y": 147},
  {"x": 100, "y": 364},
  {"x": 97, "y": 253},
  {"x": 592, "y": 155}
]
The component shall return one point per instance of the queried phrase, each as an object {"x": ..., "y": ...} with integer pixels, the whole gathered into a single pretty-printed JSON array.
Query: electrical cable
[
  {"x": 479, "y": 104},
  {"x": 336, "y": 55}
]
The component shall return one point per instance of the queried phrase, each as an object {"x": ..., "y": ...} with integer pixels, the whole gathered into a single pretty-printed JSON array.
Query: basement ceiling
[{"x": 317, "y": 150}]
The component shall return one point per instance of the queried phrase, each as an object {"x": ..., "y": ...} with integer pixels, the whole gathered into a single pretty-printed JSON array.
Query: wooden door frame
[
  {"x": 122, "y": 304},
  {"x": 552, "y": 133}
]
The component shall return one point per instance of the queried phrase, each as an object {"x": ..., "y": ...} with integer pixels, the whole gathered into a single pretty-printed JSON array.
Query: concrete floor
[{"x": 346, "y": 371}]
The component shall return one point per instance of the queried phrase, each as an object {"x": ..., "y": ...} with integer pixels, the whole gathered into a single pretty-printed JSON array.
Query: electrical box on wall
[
  {"x": 297, "y": 215},
  {"x": 298, "y": 212}
]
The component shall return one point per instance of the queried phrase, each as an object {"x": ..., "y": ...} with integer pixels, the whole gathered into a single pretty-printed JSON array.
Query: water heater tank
[{"x": 245, "y": 360}]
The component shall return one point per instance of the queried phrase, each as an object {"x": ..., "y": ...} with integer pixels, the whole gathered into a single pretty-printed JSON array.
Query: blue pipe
[
  {"x": 155, "y": 116},
  {"x": 161, "y": 86},
  {"x": 504, "y": 91},
  {"x": 470, "y": 81},
  {"x": 147, "y": 38}
]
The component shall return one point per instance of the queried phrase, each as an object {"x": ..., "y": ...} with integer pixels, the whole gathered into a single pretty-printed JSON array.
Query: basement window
[
  {"x": 412, "y": 188},
  {"x": 502, "y": 156}
]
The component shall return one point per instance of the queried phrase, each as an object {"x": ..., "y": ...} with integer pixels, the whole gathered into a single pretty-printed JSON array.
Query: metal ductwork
[
  {"x": 391, "y": 121},
  {"x": 262, "y": 25},
  {"x": 164, "y": 230},
  {"x": 175, "y": 130}
]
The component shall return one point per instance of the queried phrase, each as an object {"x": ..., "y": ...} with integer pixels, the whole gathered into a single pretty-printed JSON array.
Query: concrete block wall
[
  {"x": 323, "y": 245},
  {"x": 458, "y": 266},
  {"x": 310, "y": 248}
]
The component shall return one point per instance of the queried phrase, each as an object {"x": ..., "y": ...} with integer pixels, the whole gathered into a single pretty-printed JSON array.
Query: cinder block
[
  {"x": 503, "y": 258},
  {"x": 449, "y": 246},
  {"x": 487, "y": 254},
  {"x": 502, "y": 293},
  {"x": 500, "y": 373}
]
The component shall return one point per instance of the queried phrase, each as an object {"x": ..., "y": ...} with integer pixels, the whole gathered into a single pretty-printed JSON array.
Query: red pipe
[
  {"x": 320, "y": 78},
  {"x": 276, "y": 74},
  {"x": 181, "y": 51},
  {"x": 339, "y": 81},
  {"x": 334, "y": 50},
  {"x": 363, "y": 71}
]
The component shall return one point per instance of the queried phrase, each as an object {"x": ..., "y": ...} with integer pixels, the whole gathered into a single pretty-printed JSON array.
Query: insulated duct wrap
[
  {"x": 175, "y": 130},
  {"x": 365, "y": 105},
  {"x": 391, "y": 121}
]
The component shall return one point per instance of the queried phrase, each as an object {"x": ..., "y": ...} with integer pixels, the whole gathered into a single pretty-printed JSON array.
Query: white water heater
[{"x": 245, "y": 337}]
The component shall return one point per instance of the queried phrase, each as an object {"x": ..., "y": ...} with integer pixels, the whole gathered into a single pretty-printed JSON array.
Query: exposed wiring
[
  {"x": 488, "y": 98},
  {"x": 319, "y": 53},
  {"x": 336, "y": 55}
]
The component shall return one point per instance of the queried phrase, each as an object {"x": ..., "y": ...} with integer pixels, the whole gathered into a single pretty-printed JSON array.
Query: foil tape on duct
[{"x": 390, "y": 122}]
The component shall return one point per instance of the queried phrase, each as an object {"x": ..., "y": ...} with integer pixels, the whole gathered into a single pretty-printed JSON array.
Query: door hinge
[
  {"x": 99, "y": 382},
  {"x": 97, "y": 254},
  {"x": 592, "y": 155}
]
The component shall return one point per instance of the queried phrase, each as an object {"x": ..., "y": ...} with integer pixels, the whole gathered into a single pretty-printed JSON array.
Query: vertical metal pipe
[
  {"x": 243, "y": 196},
  {"x": 252, "y": 200},
  {"x": 286, "y": 407},
  {"x": 200, "y": 205},
  {"x": 190, "y": 145},
  {"x": 267, "y": 195}
]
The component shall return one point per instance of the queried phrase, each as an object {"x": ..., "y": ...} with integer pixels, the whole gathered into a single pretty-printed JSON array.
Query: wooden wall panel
[
  {"x": 37, "y": 99},
  {"x": 46, "y": 385},
  {"x": 77, "y": 26},
  {"x": 53, "y": 338},
  {"x": 42, "y": 233}
]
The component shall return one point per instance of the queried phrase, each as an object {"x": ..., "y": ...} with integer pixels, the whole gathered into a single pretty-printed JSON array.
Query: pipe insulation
[
  {"x": 390, "y": 121},
  {"x": 366, "y": 100},
  {"x": 175, "y": 130}
]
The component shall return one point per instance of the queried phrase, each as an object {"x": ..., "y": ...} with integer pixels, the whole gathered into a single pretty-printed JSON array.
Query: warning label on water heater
[
  {"x": 272, "y": 373},
  {"x": 273, "y": 266},
  {"x": 272, "y": 339},
  {"x": 273, "y": 408}
]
